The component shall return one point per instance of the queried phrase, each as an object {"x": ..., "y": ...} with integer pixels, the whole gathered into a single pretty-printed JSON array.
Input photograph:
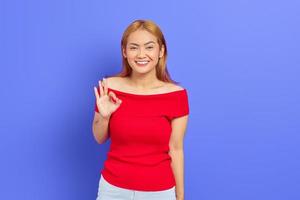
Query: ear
[
  {"x": 124, "y": 52},
  {"x": 162, "y": 51}
]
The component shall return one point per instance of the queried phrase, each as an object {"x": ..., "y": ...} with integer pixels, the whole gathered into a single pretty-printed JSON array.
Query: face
[{"x": 142, "y": 51}]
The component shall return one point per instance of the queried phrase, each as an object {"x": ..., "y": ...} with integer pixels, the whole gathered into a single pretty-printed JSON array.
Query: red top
[{"x": 140, "y": 131}]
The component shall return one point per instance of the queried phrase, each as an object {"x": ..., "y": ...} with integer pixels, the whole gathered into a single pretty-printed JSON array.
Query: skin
[{"x": 142, "y": 45}]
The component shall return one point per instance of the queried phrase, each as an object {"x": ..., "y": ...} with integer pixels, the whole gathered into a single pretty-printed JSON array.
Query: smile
[{"x": 141, "y": 63}]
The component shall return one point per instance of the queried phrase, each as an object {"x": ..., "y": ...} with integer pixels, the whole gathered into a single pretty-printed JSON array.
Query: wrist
[
  {"x": 179, "y": 196},
  {"x": 105, "y": 118}
]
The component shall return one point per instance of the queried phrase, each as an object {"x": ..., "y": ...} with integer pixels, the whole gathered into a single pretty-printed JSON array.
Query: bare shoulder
[
  {"x": 121, "y": 84},
  {"x": 173, "y": 87},
  {"x": 115, "y": 82}
]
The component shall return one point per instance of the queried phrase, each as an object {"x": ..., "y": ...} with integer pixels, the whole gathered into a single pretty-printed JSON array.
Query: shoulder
[
  {"x": 113, "y": 78},
  {"x": 174, "y": 87},
  {"x": 115, "y": 82},
  {"x": 119, "y": 83}
]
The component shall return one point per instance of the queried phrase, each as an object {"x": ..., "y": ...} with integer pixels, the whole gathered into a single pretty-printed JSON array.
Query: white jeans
[{"x": 107, "y": 191}]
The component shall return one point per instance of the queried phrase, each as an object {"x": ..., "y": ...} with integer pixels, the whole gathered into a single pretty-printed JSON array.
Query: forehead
[{"x": 141, "y": 37}]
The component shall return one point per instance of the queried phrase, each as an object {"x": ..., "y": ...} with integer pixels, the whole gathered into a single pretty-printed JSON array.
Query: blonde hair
[{"x": 161, "y": 68}]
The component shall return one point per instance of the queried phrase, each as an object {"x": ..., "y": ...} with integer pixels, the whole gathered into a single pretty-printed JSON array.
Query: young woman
[{"x": 145, "y": 114}]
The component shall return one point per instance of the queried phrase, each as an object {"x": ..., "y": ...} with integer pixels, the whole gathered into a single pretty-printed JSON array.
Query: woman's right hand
[{"x": 107, "y": 103}]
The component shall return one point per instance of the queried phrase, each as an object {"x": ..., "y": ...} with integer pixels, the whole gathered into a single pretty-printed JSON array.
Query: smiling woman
[
  {"x": 144, "y": 113},
  {"x": 136, "y": 50},
  {"x": 143, "y": 44}
]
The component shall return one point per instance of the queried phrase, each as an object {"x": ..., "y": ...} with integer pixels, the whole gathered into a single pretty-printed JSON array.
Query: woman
[{"x": 145, "y": 114}]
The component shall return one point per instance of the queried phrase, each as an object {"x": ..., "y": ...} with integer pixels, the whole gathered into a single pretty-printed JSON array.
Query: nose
[{"x": 141, "y": 53}]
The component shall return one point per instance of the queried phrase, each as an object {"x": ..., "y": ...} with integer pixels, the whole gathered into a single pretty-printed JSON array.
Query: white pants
[{"x": 107, "y": 191}]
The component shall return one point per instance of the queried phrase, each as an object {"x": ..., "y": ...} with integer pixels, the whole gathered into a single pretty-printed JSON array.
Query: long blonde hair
[{"x": 161, "y": 68}]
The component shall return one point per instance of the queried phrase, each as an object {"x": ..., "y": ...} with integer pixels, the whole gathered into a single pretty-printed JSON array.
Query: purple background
[{"x": 239, "y": 61}]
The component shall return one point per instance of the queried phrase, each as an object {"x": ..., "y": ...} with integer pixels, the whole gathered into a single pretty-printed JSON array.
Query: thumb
[{"x": 114, "y": 97}]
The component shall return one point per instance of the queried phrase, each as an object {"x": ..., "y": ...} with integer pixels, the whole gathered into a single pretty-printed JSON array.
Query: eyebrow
[{"x": 144, "y": 44}]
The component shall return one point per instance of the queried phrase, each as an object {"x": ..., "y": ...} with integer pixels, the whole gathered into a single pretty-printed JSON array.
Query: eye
[
  {"x": 149, "y": 47},
  {"x": 132, "y": 48}
]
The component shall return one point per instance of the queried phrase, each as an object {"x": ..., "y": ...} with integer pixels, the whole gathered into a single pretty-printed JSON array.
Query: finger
[
  {"x": 119, "y": 101},
  {"x": 101, "y": 89},
  {"x": 113, "y": 96},
  {"x": 105, "y": 85},
  {"x": 96, "y": 93}
]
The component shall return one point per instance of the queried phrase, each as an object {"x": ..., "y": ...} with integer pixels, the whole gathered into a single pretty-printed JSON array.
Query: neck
[{"x": 144, "y": 81}]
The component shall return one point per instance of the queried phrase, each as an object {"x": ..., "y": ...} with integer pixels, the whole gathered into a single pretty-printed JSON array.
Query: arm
[
  {"x": 176, "y": 152},
  {"x": 100, "y": 128},
  {"x": 101, "y": 121}
]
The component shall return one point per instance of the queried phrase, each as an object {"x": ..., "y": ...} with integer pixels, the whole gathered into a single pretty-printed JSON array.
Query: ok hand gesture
[{"x": 106, "y": 103}]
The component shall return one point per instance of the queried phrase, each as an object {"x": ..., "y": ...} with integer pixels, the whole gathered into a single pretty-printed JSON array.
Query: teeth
[{"x": 142, "y": 62}]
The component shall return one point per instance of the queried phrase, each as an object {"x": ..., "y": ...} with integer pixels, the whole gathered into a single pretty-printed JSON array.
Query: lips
[{"x": 142, "y": 63}]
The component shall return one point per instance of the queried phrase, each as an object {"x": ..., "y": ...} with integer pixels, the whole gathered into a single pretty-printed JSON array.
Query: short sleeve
[
  {"x": 95, "y": 103},
  {"x": 181, "y": 105}
]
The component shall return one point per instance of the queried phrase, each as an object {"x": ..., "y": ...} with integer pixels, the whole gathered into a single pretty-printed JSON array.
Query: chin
[{"x": 142, "y": 70}]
